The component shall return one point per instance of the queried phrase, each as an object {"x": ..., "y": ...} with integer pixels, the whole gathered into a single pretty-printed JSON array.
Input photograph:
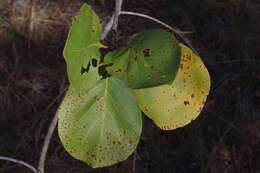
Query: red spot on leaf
[
  {"x": 96, "y": 98},
  {"x": 146, "y": 52},
  {"x": 119, "y": 70},
  {"x": 186, "y": 103},
  {"x": 181, "y": 66}
]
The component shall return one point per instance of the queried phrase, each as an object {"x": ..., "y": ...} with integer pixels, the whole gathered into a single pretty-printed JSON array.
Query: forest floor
[{"x": 225, "y": 138}]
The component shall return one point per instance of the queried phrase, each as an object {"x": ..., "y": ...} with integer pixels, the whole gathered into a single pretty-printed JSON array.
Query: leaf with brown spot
[
  {"x": 175, "y": 105},
  {"x": 150, "y": 59},
  {"x": 82, "y": 45},
  {"x": 102, "y": 126}
]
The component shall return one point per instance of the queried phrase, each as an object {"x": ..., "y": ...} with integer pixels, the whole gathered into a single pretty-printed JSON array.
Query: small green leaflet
[
  {"x": 176, "y": 105},
  {"x": 82, "y": 45},
  {"x": 102, "y": 126},
  {"x": 151, "y": 59}
]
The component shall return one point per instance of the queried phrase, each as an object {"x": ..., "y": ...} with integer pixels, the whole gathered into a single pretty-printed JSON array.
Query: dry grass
[
  {"x": 38, "y": 21},
  {"x": 224, "y": 139}
]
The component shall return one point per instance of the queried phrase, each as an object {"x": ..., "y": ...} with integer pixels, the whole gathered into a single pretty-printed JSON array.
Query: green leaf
[
  {"x": 175, "y": 105},
  {"x": 151, "y": 58},
  {"x": 82, "y": 44},
  {"x": 100, "y": 127},
  {"x": 92, "y": 79}
]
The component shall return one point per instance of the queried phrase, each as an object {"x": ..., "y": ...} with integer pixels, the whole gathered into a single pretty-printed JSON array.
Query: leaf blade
[
  {"x": 96, "y": 127},
  {"x": 176, "y": 105},
  {"x": 82, "y": 44},
  {"x": 151, "y": 58}
]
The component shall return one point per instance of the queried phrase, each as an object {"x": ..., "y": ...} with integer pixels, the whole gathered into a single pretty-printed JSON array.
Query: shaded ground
[{"x": 224, "y": 139}]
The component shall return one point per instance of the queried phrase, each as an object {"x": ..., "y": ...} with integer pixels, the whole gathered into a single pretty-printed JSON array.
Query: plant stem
[
  {"x": 19, "y": 162},
  {"x": 113, "y": 21},
  {"x": 177, "y": 31},
  {"x": 118, "y": 8},
  {"x": 48, "y": 137},
  {"x": 107, "y": 28},
  {"x": 46, "y": 143},
  {"x": 180, "y": 33}
]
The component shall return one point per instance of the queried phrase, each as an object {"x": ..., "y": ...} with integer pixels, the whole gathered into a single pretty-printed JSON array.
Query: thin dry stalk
[
  {"x": 48, "y": 138},
  {"x": 20, "y": 162},
  {"x": 46, "y": 143},
  {"x": 118, "y": 8},
  {"x": 180, "y": 33}
]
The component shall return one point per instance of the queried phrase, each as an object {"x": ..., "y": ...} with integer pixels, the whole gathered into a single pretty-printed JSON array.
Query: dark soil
[{"x": 224, "y": 139}]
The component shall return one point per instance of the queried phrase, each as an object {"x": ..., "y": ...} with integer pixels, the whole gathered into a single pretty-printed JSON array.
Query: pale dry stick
[
  {"x": 177, "y": 31},
  {"x": 107, "y": 28},
  {"x": 46, "y": 143},
  {"x": 113, "y": 21},
  {"x": 118, "y": 8},
  {"x": 48, "y": 139},
  {"x": 19, "y": 162},
  {"x": 109, "y": 25}
]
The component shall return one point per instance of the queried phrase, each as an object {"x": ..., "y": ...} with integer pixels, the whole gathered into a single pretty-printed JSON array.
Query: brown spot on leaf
[
  {"x": 181, "y": 66},
  {"x": 94, "y": 156},
  {"x": 186, "y": 103},
  {"x": 146, "y": 52},
  {"x": 119, "y": 70},
  {"x": 96, "y": 98},
  {"x": 174, "y": 96}
]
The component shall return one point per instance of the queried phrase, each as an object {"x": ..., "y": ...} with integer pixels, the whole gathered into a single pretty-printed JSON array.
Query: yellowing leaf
[{"x": 173, "y": 106}]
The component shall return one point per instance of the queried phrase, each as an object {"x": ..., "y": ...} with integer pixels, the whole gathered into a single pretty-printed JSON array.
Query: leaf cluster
[{"x": 100, "y": 119}]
